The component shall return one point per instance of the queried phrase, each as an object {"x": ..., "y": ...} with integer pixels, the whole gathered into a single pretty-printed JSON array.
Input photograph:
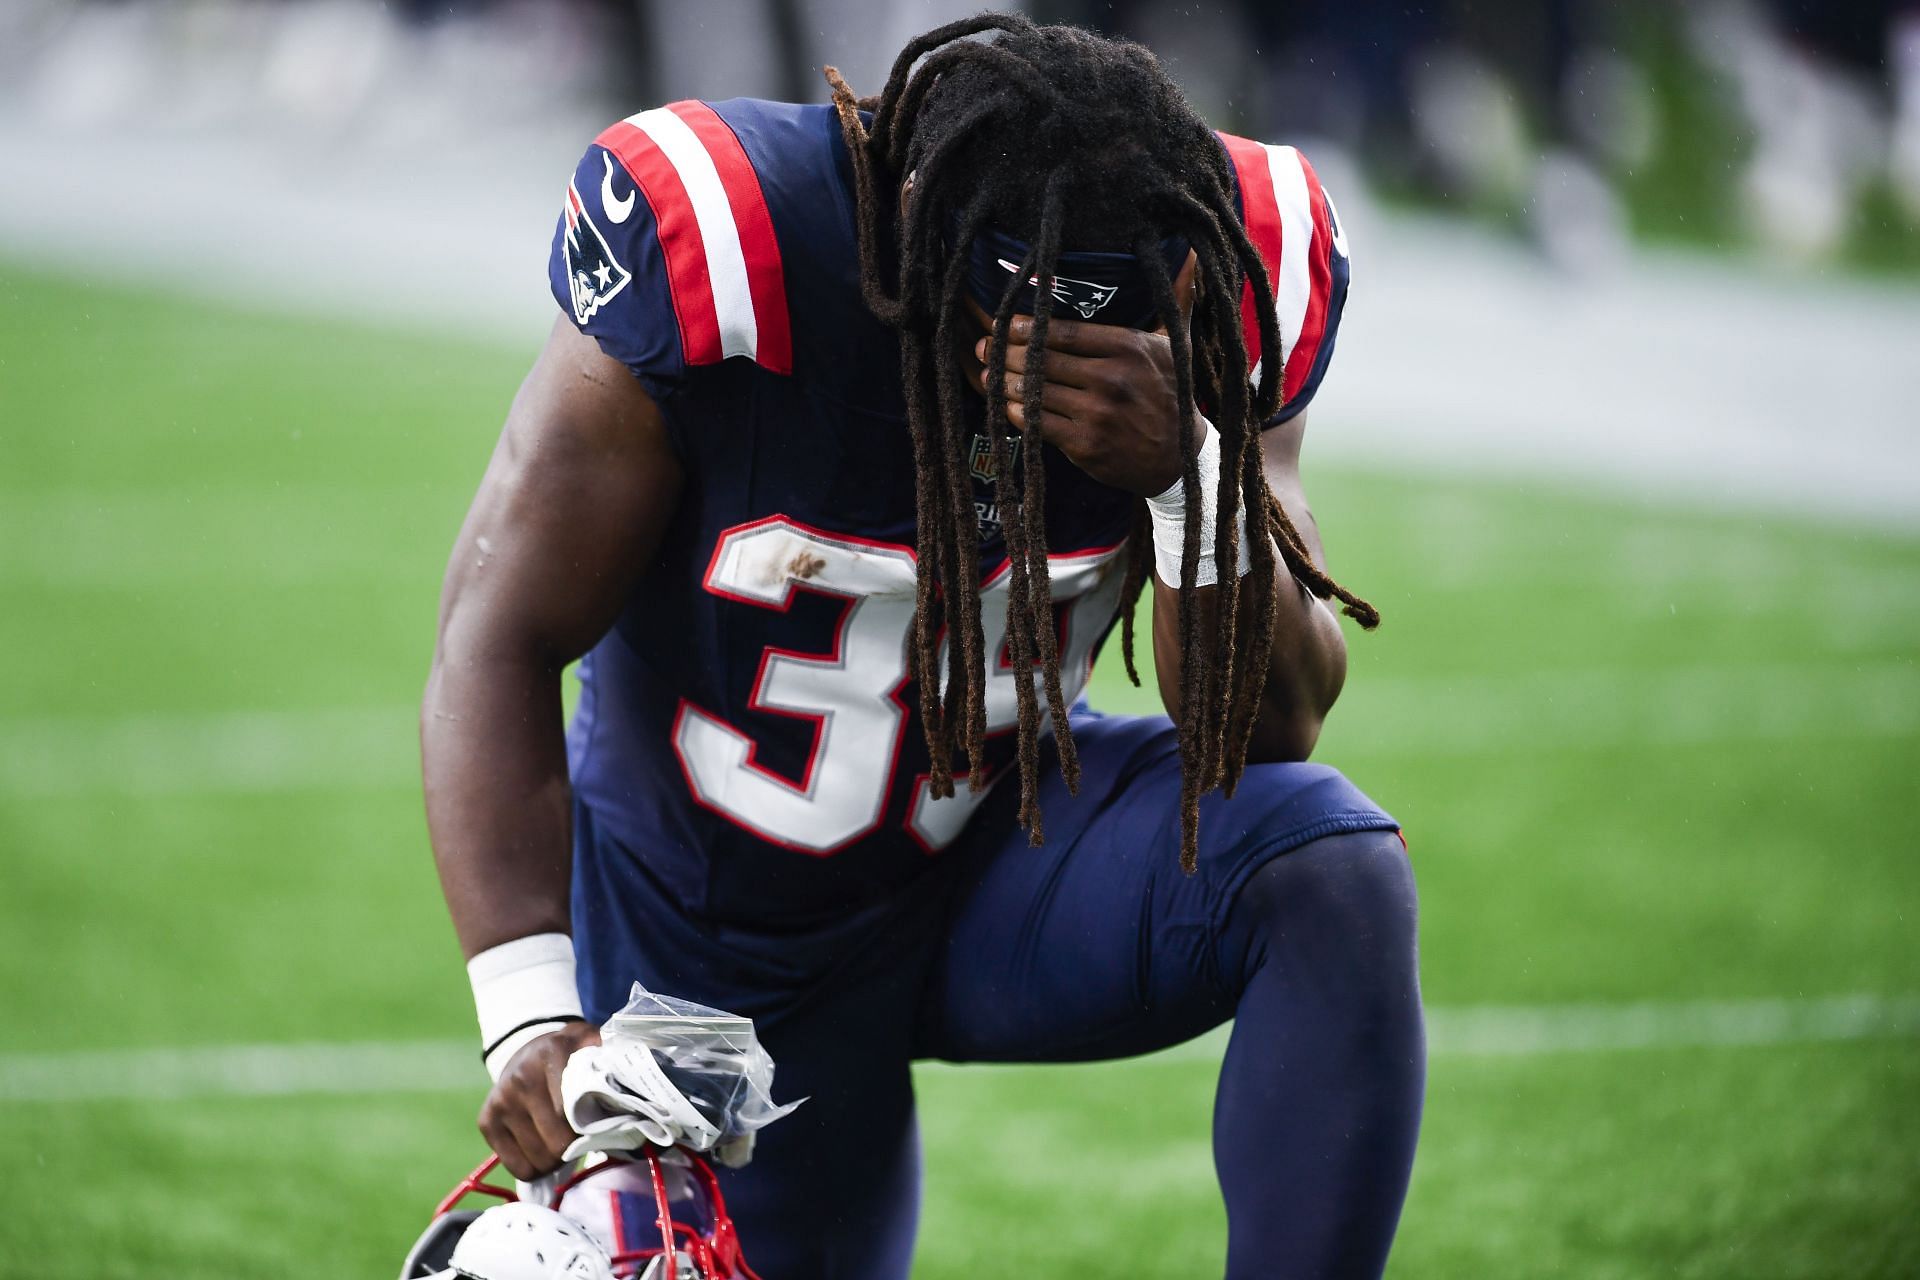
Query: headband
[{"x": 1101, "y": 288}]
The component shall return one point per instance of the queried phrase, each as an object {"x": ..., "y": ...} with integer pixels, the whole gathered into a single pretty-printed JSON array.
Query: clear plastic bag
[
  {"x": 712, "y": 1057},
  {"x": 669, "y": 1072}
]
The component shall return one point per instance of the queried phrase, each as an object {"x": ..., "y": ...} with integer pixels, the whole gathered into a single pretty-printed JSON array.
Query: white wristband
[
  {"x": 1169, "y": 512},
  {"x": 522, "y": 989},
  {"x": 497, "y": 1058}
]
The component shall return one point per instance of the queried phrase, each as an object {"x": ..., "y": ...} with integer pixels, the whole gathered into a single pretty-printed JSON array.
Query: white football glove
[{"x": 617, "y": 1098}]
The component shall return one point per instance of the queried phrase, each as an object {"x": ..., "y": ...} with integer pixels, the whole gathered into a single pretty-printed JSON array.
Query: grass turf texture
[{"x": 1642, "y": 754}]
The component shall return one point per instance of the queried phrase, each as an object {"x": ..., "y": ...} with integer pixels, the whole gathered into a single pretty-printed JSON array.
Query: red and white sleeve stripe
[
  {"x": 1286, "y": 217},
  {"x": 716, "y": 234}
]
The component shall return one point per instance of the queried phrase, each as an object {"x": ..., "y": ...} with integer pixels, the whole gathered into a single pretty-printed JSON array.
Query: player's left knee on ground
[{"x": 1339, "y": 915}]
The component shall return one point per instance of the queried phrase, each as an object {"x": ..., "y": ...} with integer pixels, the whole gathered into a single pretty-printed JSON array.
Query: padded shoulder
[
  {"x": 665, "y": 250},
  {"x": 1292, "y": 222}
]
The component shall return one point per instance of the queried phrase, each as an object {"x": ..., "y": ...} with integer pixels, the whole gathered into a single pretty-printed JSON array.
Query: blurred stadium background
[{"x": 1624, "y": 437}]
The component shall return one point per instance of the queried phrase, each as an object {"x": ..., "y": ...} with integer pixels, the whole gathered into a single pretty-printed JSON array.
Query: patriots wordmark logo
[
  {"x": 980, "y": 457},
  {"x": 987, "y": 516},
  {"x": 1083, "y": 296},
  {"x": 594, "y": 277}
]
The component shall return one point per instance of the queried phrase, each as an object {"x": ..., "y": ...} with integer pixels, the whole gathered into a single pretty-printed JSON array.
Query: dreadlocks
[{"x": 1013, "y": 134}]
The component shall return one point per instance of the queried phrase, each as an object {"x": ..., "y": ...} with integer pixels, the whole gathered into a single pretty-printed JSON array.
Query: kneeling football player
[{"x": 862, "y": 426}]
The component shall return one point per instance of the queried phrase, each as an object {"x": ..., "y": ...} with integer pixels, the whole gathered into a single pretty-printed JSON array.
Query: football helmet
[
  {"x": 526, "y": 1242},
  {"x": 657, "y": 1216}
]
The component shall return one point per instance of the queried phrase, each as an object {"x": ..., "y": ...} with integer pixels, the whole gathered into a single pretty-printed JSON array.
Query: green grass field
[{"x": 1642, "y": 753}]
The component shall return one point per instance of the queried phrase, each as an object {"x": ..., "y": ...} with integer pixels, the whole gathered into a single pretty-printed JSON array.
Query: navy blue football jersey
[{"x": 750, "y": 720}]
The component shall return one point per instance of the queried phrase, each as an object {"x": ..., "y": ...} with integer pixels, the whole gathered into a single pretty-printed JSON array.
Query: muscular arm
[
  {"x": 572, "y": 508},
  {"x": 575, "y": 500},
  {"x": 1309, "y": 662}
]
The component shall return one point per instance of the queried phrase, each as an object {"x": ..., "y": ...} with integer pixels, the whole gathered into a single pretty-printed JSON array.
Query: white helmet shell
[{"x": 528, "y": 1242}]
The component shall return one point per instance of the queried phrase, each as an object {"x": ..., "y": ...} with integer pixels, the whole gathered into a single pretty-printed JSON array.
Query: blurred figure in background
[
  {"x": 777, "y": 47},
  {"x": 1549, "y": 115},
  {"x": 1831, "y": 94},
  {"x": 1502, "y": 106},
  {"x": 1790, "y": 124}
]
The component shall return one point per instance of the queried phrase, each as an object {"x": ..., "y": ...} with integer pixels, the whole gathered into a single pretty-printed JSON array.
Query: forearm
[
  {"x": 1305, "y": 672},
  {"x": 493, "y": 757}
]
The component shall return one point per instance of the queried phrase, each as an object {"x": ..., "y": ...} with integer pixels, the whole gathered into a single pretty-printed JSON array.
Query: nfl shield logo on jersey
[
  {"x": 593, "y": 276},
  {"x": 980, "y": 463},
  {"x": 980, "y": 457}
]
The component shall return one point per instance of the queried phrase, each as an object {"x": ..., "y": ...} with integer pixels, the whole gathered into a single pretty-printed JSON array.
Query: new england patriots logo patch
[
  {"x": 594, "y": 276},
  {"x": 1084, "y": 296}
]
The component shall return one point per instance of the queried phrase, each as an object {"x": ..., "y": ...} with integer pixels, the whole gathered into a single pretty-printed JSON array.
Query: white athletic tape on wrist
[
  {"x": 497, "y": 1058},
  {"x": 522, "y": 989},
  {"x": 1169, "y": 512}
]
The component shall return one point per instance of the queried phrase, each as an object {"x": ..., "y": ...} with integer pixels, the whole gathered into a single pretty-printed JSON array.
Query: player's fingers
[
  {"x": 1062, "y": 433},
  {"x": 1060, "y": 366},
  {"x": 499, "y": 1136},
  {"x": 539, "y": 1153},
  {"x": 975, "y": 372},
  {"x": 1072, "y": 402},
  {"x": 1076, "y": 337},
  {"x": 551, "y": 1116},
  {"x": 1065, "y": 402},
  {"x": 556, "y": 1068},
  {"x": 1056, "y": 429},
  {"x": 554, "y": 1136}
]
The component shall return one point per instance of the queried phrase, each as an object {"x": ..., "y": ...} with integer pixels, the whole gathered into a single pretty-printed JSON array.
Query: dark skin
[
  {"x": 575, "y": 502},
  {"x": 1110, "y": 405}
]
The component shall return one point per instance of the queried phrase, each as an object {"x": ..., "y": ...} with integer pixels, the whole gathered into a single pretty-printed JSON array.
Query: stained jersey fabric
[{"x": 750, "y": 720}]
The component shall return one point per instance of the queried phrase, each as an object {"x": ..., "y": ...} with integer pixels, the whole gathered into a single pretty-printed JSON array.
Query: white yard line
[
  {"x": 252, "y": 752},
  {"x": 1521, "y": 1031},
  {"x": 1654, "y": 707},
  {"x": 214, "y": 753},
  {"x": 241, "y": 1071},
  {"x": 425, "y": 1066}
]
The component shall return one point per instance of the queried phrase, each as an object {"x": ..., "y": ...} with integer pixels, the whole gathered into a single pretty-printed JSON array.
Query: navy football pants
[{"x": 1092, "y": 946}]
